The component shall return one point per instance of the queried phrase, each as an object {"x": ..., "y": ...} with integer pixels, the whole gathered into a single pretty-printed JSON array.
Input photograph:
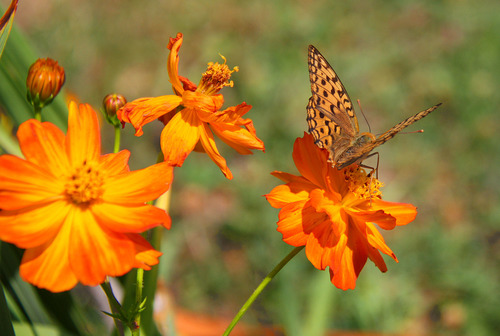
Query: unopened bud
[
  {"x": 111, "y": 104},
  {"x": 45, "y": 79}
]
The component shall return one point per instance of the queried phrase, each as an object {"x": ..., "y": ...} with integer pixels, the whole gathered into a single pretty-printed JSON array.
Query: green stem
[
  {"x": 117, "y": 139},
  {"x": 136, "y": 331},
  {"x": 260, "y": 288},
  {"x": 38, "y": 113},
  {"x": 115, "y": 306}
]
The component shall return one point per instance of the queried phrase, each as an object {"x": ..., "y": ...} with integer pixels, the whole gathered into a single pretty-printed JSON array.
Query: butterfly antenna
[
  {"x": 417, "y": 131},
  {"x": 366, "y": 120}
]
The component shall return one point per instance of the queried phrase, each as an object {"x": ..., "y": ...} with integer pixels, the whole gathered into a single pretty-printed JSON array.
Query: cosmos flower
[
  {"x": 193, "y": 114},
  {"x": 333, "y": 213},
  {"x": 77, "y": 213}
]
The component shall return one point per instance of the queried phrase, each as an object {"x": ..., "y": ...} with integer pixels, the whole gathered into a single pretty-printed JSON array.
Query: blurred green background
[{"x": 398, "y": 58}]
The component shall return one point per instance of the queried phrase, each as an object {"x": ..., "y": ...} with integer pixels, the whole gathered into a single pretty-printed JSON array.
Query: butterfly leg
[{"x": 371, "y": 172}]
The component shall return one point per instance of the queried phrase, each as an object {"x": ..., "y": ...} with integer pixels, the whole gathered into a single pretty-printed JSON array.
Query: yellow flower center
[
  {"x": 84, "y": 185},
  {"x": 216, "y": 77},
  {"x": 361, "y": 184}
]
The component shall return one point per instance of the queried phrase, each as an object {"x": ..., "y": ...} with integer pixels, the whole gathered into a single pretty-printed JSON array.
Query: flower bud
[
  {"x": 112, "y": 103},
  {"x": 45, "y": 79}
]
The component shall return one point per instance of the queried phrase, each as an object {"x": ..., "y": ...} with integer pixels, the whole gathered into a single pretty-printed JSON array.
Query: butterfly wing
[
  {"x": 326, "y": 133},
  {"x": 330, "y": 114},
  {"x": 364, "y": 145}
]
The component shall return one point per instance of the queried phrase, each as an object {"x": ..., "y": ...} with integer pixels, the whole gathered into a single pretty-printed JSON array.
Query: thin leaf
[{"x": 6, "y": 23}]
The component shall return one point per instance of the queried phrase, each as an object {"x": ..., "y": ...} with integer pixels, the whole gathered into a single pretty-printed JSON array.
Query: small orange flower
[
  {"x": 193, "y": 113},
  {"x": 45, "y": 80},
  {"x": 333, "y": 213},
  {"x": 77, "y": 213}
]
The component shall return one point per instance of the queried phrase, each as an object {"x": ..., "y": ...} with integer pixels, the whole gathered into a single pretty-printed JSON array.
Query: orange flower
[
  {"x": 193, "y": 113},
  {"x": 77, "y": 213},
  {"x": 333, "y": 213}
]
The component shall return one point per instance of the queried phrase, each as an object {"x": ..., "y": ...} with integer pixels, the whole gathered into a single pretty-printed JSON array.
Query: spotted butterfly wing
[{"x": 332, "y": 120}]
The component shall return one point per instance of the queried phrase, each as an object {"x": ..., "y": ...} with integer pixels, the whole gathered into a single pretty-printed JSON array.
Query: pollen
[
  {"x": 216, "y": 77},
  {"x": 362, "y": 184},
  {"x": 84, "y": 185}
]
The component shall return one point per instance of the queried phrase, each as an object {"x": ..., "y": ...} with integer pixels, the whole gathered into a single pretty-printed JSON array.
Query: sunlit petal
[
  {"x": 140, "y": 185},
  {"x": 83, "y": 139},
  {"x": 208, "y": 143},
  {"x": 43, "y": 144},
  {"x": 180, "y": 136}
]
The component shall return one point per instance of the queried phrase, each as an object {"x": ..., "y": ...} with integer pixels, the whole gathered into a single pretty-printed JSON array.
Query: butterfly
[{"x": 332, "y": 121}]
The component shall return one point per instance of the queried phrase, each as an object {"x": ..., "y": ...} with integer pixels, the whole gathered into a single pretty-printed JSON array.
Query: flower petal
[
  {"x": 130, "y": 218},
  {"x": 115, "y": 164},
  {"x": 84, "y": 139},
  {"x": 238, "y": 138},
  {"x": 321, "y": 243},
  {"x": 43, "y": 144},
  {"x": 32, "y": 226},
  {"x": 47, "y": 266},
  {"x": 23, "y": 183},
  {"x": 144, "y": 110},
  {"x": 288, "y": 193},
  {"x": 173, "y": 63},
  {"x": 138, "y": 186},
  {"x": 179, "y": 137},
  {"x": 231, "y": 115},
  {"x": 146, "y": 255},
  {"x": 310, "y": 160},
  {"x": 96, "y": 251},
  {"x": 208, "y": 143},
  {"x": 404, "y": 213},
  {"x": 296, "y": 221}
]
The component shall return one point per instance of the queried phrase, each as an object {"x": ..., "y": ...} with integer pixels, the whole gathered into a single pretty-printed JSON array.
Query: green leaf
[{"x": 6, "y": 24}]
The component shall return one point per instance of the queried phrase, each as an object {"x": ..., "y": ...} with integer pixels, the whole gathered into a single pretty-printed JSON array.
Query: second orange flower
[{"x": 193, "y": 114}]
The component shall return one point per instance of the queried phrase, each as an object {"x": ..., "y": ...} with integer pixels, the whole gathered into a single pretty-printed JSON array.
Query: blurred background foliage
[{"x": 397, "y": 57}]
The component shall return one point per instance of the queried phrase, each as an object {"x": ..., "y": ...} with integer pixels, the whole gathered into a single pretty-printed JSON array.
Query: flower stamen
[
  {"x": 216, "y": 77},
  {"x": 85, "y": 184},
  {"x": 361, "y": 184}
]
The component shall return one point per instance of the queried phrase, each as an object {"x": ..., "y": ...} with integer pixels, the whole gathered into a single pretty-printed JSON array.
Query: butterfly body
[{"x": 332, "y": 120}]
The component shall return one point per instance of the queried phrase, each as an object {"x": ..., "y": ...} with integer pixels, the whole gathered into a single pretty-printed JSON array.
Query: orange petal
[
  {"x": 310, "y": 160},
  {"x": 348, "y": 262},
  {"x": 130, "y": 218},
  {"x": 283, "y": 194},
  {"x": 115, "y": 164},
  {"x": 231, "y": 115},
  {"x": 47, "y": 266},
  {"x": 206, "y": 106},
  {"x": 376, "y": 240},
  {"x": 173, "y": 63},
  {"x": 34, "y": 225},
  {"x": 144, "y": 110},
  {"x": 179, "y": 137},
  {"x": 43, "y": 144},
  {"x": 208, "y": 143},
  {"x": 96, "y": 252},
  {"x": 138, "y": 186},
  {"x": 146, "y": 255},
  {"x": 404, "y": 213},
  {"x": 321, "y": 245},
  {"x": 84, "y": 138},
  {"x": 384, "y": 220},
  {"x": 24, "y": 183},
  {"x": 237, "y": 137},
  {"x": 287, "y": 177},
  {"x": 290, "y": 224}
]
